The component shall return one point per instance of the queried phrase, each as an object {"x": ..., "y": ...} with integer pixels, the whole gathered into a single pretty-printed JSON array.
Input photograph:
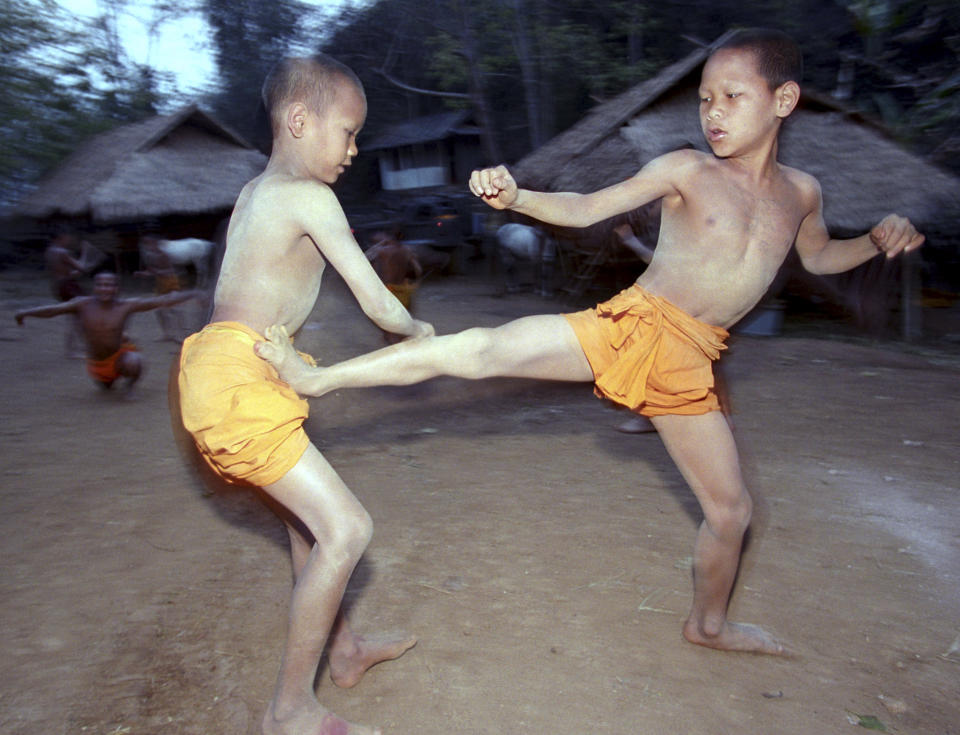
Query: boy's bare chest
[
  {"x": 95, "y": 317},
  {"x": 760, "y": 224}
]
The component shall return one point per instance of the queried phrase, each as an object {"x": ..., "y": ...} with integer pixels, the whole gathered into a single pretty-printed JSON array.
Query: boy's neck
[
  {"x": 284, "y": 161},
  {"x": 758, "y": 166}
]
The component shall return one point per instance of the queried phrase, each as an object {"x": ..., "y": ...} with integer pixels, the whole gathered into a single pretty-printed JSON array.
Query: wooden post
[{"x": 910, "y": 295}]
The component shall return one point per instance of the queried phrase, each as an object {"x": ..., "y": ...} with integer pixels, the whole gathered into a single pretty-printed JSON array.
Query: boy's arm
[
  {"x": 75, "y": 265},
  {"x": 497, "y": 187},
  {"x": 822, "y": 254},
  {"x": 158, "y": 302},
  {"x": 44, "y": 312},
  {"x": 322, "y": 218}
]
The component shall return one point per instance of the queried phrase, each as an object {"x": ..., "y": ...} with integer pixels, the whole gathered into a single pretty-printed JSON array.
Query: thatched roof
[
  {"x": 183, "y": 163},
  {"x": 863, "y": 173},
  {"x": 426, "y": 129}
]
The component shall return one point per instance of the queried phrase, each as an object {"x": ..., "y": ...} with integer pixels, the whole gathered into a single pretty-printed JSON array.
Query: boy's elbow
[
  {"x": 815, "y": 261},
  {"x": 810, "y": 265},
  {"x": 385, "y": 309}
]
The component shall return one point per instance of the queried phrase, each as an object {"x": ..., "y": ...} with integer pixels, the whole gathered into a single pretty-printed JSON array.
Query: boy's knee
[
  {"x": 731, "y": 519},
  {"x": 475, "y": 349},
  {"x": 363, "y": 529},
  {"x": 131, "y": 364},
  {"x": 353, "y": 532}
]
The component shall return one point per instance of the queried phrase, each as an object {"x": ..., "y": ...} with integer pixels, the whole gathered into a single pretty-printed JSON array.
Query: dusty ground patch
[{"x": 542, "y": 557}]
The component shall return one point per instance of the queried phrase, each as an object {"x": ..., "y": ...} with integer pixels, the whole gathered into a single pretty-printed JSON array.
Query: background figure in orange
[{"x": 398, "y": 268}]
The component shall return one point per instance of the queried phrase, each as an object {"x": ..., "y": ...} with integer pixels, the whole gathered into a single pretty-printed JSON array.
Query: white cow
[
  {"x": 522, "y": 243},
  {"x": 190, "y": 251}
]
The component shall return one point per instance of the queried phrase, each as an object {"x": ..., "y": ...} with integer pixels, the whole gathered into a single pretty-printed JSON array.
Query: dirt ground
[{"x": 542, "y": 558}]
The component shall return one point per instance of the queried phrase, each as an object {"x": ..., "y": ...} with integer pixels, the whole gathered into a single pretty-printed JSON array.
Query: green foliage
[
  {"x": 60, "y": 81},
  {"x": 908, "y": 72},
  {"x": 249, "y": 36},
  {"x": 903, "y": 55},
  {"x": 535, "y": 66}
]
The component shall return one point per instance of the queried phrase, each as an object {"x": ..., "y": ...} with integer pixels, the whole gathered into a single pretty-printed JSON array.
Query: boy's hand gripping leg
[{"x": 278, "y": 351}]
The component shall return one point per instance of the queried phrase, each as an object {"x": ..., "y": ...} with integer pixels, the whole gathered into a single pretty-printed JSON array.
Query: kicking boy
[
  {"x": 102, "y": 318},
  {"x": 285, "y": 227},
  {"x": 729, "y": 220}
]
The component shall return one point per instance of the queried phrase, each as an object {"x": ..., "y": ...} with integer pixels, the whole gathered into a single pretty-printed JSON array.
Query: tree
[
  {"x": 904, "y": 71},
  {"x": 61, "y": 80},
  {"x": 249, "y": 37}
]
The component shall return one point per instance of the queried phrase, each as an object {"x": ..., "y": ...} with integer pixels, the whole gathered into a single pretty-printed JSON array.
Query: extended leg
[
  {"x": 704, "y": 451},
  {"x": 543, "y": 347}
]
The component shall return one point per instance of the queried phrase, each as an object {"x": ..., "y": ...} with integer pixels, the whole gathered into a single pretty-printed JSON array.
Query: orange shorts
[
  {"x": 246, "y": 422},
  {"x": 166, "y": 284},
  {"x": 404, "y": 292},
  {"x": 649, "y": 355},
  {"x": 105, "y": 371}
]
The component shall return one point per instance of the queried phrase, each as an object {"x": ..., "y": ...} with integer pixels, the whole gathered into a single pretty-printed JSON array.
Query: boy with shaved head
[{"x": 286, "y": 226}]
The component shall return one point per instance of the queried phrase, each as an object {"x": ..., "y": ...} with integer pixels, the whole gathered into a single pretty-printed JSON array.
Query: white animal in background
[
  {"x": 522, "y": 243},
  {"x": 190, "y": 251}
]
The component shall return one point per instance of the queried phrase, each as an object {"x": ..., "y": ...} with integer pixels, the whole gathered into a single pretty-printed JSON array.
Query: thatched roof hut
[
  {"x": 863, "y": 172},
  {"x": 183, "y": 164}
]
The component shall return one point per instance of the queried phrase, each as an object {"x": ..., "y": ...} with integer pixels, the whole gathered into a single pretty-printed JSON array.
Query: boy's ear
[
  {"x": 787, "y": 97},
  {"x": 296, "y": 119}
]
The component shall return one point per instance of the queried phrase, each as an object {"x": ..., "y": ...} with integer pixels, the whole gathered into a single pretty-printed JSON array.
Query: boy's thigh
[
  {"x": 314, "y": 492},
  {"x": 703, "y": 448},
  {"x": 543, "y": 347}
]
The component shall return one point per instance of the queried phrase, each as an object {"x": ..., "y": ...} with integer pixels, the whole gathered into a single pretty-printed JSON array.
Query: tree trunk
[
  {"x": 477, "y": 94},
  {"x": 528, "y": 72}
]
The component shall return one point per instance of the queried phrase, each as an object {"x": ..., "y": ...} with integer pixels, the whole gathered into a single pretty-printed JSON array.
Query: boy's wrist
[{"x": 519, "y": 200}]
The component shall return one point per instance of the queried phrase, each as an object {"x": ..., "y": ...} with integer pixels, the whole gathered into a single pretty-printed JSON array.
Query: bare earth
[{"x": 542, "y": 558}]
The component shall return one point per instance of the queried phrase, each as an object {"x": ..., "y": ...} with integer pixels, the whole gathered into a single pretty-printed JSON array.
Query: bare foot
[
  {"x": 278, "y": 351},
  {"x": 312, "y": 719},
  {"x": 736, "y": 637},
  {"x": 349, "y": 662}
]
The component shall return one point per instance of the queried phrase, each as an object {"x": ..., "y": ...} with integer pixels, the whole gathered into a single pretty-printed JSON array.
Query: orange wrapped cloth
[
  {"x": 404, "y": 292},
  {"x": 649, "y": 355},
  {"x": 166, "y": 284},
  {"x": 105, "y": 371},
  {"x": 246, "y": 422}
]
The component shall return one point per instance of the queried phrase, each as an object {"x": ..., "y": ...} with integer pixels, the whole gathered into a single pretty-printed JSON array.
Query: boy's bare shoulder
[
  {"x": 287, "y": 188},
  {"x": 685, "y": 170},
  {"x": 293, "y": 198},
  {"x": 806, "y": 184},
  {"x": 683, "y": 158},
  {"x": 800, "y": 178}
]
